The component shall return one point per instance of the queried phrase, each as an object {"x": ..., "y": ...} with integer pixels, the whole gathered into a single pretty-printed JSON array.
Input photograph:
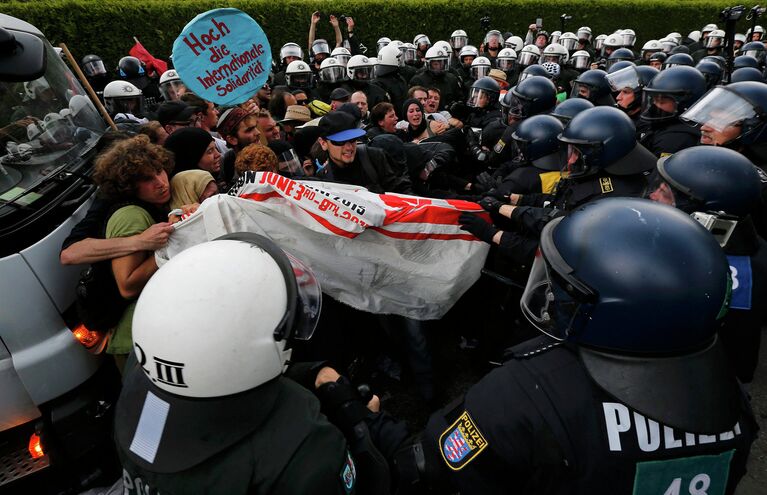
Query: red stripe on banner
[
  {"x": 331, "y": 227},
  {"x": 423, "y": 210},
  {"x": 419, "y": 236},
  {"x": 260, "y": 196}
]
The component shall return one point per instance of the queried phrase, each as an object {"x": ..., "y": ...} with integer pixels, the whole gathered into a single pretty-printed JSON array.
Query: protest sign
[{"x": 223, "y": 56}]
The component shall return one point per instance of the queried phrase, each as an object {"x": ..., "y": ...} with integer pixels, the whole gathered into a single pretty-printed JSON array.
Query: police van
[{"x": 56, "y": 391}]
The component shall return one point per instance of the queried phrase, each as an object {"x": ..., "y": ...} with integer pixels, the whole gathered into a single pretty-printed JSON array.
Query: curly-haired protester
[
  {"x": 133, "y": 173},
  {"x": 256, "y": 157}
]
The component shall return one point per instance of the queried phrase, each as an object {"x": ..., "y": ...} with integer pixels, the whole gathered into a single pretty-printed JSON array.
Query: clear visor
[
  {"x": 333, "y": 74},
  {"x": 459, "y": 42},
  {"x": 628, "y": 39},
  {"x": 381, "y": 45},
  {"x": 555, "y": 38},
  {"x": 94, "y": 68},
  {"x": 320, "y": 47},
  {"x": 656, "y": 106},
  {"x": 515, "y": 107},
  {"x": 437, "y": 65},
  {"x": 719, "y": 109},
  {"x": 555, "y": 58},
  {"x": 580, "y": 90},
  {"x": 343, "y": 59},
  {"x": 528, "y": 58},
  {"x": 133, "y": 105},
  {"x": 624, "y": 78},
  {"x": 668, "y": 45},
  {"x": 496, "y": 38},
  {"x": 613, "y": 61},
  {"x": 505, "y": 63},
  {"x": 409, "y": 55},
  {"x": 362, "y": 73},
  {"x": 478, "y": 98},
  {"x": 172, "y": 90},
  {"x": 713, "y": 42},
  {"x": 568, "y": 43},
  {"x": 580, "y": 63},
  {"x": 753, "y": 53},
  {"x": 584, "y": 35},
  {"x": 288, "y": 162},
  {"x": 309, "y": 299},
  {"x": 300, "y": 80},
  {"x": 599, "y": 43},
  {"x": 292, "y": 51},
  {"x": 479, "y": 71}
]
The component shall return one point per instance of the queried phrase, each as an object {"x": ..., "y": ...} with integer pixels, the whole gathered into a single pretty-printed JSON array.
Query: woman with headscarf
[
  {"x": 191, "y": 186},
  {"x": 419, "y": 127}
]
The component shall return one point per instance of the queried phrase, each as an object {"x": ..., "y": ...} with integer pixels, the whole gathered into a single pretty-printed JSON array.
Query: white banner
[{"x": 381, "y": 253}]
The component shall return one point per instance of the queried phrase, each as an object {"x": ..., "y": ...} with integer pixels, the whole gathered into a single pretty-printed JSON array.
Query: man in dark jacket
[{"x": 351, "y": 163}]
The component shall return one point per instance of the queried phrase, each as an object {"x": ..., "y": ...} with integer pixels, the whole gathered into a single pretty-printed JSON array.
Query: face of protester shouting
[
  {"x": 341, "y": 153},
  {"x": 389, "y": 122},
  {"x": 432, "y": 103},
  {"x": 414, "y": 115},
  {"x": 211, "y": 159}
]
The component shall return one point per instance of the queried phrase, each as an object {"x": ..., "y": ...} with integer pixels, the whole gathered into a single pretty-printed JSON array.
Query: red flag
[{"x": 152, "y": 64}]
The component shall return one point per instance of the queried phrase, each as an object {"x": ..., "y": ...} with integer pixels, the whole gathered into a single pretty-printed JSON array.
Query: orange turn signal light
[{"x": 35, "y": 446}]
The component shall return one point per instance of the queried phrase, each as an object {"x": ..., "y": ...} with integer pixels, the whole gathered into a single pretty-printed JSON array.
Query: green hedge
[{"x": 106, "y": 27}]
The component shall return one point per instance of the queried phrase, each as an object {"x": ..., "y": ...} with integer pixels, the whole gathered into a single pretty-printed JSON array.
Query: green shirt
[{"x": 125, "y": 222}]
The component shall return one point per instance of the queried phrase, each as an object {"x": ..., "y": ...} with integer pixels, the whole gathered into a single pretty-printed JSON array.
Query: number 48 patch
[{"x": 700, "y": 475}]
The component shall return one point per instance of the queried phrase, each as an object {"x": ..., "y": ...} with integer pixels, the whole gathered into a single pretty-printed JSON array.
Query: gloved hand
[
  {"x": 498, "y": 194},
  {"x": 481, "y": 229},
  {"x": 486, "y": 182},
  {"x": 491, "y": 204}
]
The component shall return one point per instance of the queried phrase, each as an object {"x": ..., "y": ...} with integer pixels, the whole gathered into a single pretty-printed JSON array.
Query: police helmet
[
  {"x": 569, "y": 108},
  {"x": 603, "y": 138},
  {"x": 668, "y": 44},
  {"x": 480, "y": 67},
  {"x": 320, "y": 47},
  {"x": 506, "y": 59},
  {"x": 382, "y": 42},
  {"x": 298, "y": 74},
  {"x": 622, "y": 64},
  {"x": 533, "y": 70},
  {"x": 93, "y": 66},
  {"x": 599, "y": 41},
  {"x": 746, "y": 74},
  {"x": 515, "y": 42},
  {"x": 678, "y": 59},
  {"x": 289, "y": 52},
  {"x": 650, "y": 47},
  {"x": 680, "y": 49},
  {"x": 628, "y": 36},
  {"x": 130, "y": 67},
  {"x": 711, "y": 71},
  {"x": 342, "y": 55},
  {"x": 529, "y": 55},
  {"x": 619, "y": 55},
  {"x": 531, "y": 96},
  {"x": 536, "y": 139},
  {"x": 745, "y": 61},
  {"x": 658, "y": 57},
  {"x": 483, "y": 93},
  {"x": 123, "y": 97},
  {"x": 714, "y": 40},
  {"x": 171, "y": 86},
  {"x": 580, "y": 60},
  {"x": 584, "y": 33},
  {"x": 569, "y": 41},
  {"x": 711, "y": 179},
  {"x": 613, "y": 277},
  {"x": 388, "y": 60},
  {"x": 421, "y": 39},
  {"x": 593, "y": 86},
  {"x": 459, "y": 39},
  {"x": 555, "y": 35},
  {"x": 555, "y": 53},
  {"x": 671, "y": 92},
  {"x": 753, "y": 49},
  {"x": 332, "y": 71},
  {"x": 359, "y": 68}
]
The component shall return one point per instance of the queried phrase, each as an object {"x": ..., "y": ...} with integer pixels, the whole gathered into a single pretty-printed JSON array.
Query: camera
[
  {"x": 484, "y": 22},
  {"x": 756, "y": 11},
  {"x": 342, "y": 18},
  {"x": 732, "y": 13}
]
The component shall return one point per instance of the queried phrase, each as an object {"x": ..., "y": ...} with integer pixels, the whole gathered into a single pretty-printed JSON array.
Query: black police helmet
[
  {"x": 487, "y": 84},
  {"x": 620, "y": 64},
  {"x": 569, "y": 108},
  {"x": 660, "y": 56},
  {"x": 745, "y": 61},
  {"x": 534, "y": 70},
  {"x": 604, "y": 138},
  {"x": 599, "y": 91},
  {"x": 678, "y": 59},
  {"x": 712, "y": 178},
  {"x": 717, "y": 59},
  {"x": 130, "y": 67},
  {"x": 90, "y": 58},
  {"x": 680, "y": 49},
  {"x": 537, "y": 139},
  {"x": 753, "y": 49},
  {"x": 711, "y": 71},
  {"x": 746, "y": 74},
  {"x": 614, "y": 278},
  {"x": 619, "y": 55},
  {"x": 530, "y": 97},
  {"x": 684, "y": 84}
]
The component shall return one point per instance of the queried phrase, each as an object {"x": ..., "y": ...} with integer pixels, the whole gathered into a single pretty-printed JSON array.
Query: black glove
[
  {"x": 491, "y": 204},
  {"x": 486, "y": 181},
  {"x": 481, "y": 229},
  {"x": 498, "y": 194}
]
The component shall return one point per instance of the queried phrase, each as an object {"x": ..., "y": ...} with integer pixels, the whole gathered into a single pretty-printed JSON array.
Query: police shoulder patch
[
  {"x": 606, "y": 184},
  {"x": 499, "y": 146},
  {"x": 348, "y": 474},
  {"x": 461, "y": 442}
]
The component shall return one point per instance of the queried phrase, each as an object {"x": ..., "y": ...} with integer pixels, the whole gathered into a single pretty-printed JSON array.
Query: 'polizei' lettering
[{"x": 651, "y": 435}]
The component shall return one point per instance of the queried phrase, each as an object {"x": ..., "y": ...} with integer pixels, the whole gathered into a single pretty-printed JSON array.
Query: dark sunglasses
[{"x": 341, "y": 143}]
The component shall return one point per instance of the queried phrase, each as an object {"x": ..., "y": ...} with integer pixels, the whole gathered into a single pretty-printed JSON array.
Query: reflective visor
[
  {"x": 624, "y": 78},
  {"x": 505, "y": 63},
  {"x": 333, "y": 74},
  {"x": 719, "y": 109},
  {"x": 528, "y": 58},
  {"x": 480, "y": 71}
]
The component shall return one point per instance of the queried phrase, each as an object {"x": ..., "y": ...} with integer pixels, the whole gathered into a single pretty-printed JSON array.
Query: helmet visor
[
  {"x": 658, "y": 106},
  {"x": 599, "y": 43},
  {"x": 624, "y": 78},
  {"x": 479, "y": 71},
  {"x": 172, "y": 90},
  {"x": 343, "y": 59},
  {"x": 505, "y": 64},
  {"x": 94, "y": 68},
  {"x": 320, "y": 47},
  {"x": 409, "y": 55},
  {"x": 719, "y": 109},
  {"x": 300, "y": 80},
  {"x": 528, "y": 58},
  {"x": 478, "y": 98},
  {"x": 288, "y": 163},
  {"x": 133, "y": 105},
  {"x": 459, "y": 42},
  {"x": 333, "y": 74},
  {"x": 713, "y": 42},
  {"x": 580, "y": 62},
  {"x": 568, "y": 43},
  {"x": 757, "y": 54},
  {"x": 362, "y": 73},
  {"x": 309, "y": 300},
  {"x": 628, "y": 39},
  {"x": 437, "y": 65},
  {"x": 516, "y": 106}
]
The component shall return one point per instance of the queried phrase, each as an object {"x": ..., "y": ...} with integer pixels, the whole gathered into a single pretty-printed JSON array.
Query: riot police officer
[
  {"x": 627, "y": 84},
  {"x": 723, "y": 206},
  {"x": 201, "y": 415},
  {"x": 593, "y": 86},
  {"x": 666, "y": 97},
  {"x": 388, "y": 77},
  {"x": 360, "y": 71},
  {"x": 437, "y": 75}
]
